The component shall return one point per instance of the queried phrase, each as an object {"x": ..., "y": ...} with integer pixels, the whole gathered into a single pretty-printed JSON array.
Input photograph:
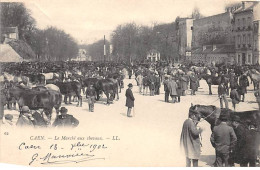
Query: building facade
[
  {"x": 185, "y": 37},
  {"x": 211, "y": 38},
  {"x": 216, "y": 29},
  {"x": 9, "y": 33},
  {"x": 246, "y": 33},
  {"x": 214, "y": 54}
]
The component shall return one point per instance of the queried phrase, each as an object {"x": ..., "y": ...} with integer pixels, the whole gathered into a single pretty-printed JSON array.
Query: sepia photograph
[{"x": 130, "y": 83}]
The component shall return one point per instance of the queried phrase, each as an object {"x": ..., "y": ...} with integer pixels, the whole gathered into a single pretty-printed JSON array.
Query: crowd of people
[{"x": 176, "y": 81}]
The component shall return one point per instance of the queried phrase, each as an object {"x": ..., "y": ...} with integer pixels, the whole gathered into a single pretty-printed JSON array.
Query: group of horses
[{"x": 46, "y": 90}]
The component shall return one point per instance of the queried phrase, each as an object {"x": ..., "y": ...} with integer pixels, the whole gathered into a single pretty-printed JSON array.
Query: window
[
  {"x": 244, "y": 39},
  {"x": 249, "y": 39},
  {"x": 249, "y": 21},
  {"x": 249, "y": 59},
  {"x": 244, "y": 22}
]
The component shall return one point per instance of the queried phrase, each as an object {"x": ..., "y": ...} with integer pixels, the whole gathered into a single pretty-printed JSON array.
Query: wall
[{"x": 215, "y": 29}]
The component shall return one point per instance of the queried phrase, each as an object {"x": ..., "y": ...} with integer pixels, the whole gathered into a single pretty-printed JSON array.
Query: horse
[
  {"x": 35, "y": 100},
  {"x": 254, "y": 76},
  {"x": 248, "y": 118},
  {"x": 212, "y": 80},
  {"x": 108, "y": 87},
  {"x": 70, "y": 88}
]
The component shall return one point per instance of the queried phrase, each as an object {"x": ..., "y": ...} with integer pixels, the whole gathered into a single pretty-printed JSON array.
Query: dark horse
[
  {"x": 109, "y": 87},
  {"x": 212, "y": 80},
  {"x": 68, "y": 89},
  {"x": 35, "y": 100},
  {"x": 211, "y": 114}
]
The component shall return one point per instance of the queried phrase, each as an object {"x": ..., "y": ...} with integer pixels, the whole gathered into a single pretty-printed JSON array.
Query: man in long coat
[
  {"x": 166, "y": 89},
  {"x": 193, "y": 83},
  {"x": 184, "y": 84},
  {"x": 129, "y": 99},
  {"x": 172, "y": 86},
  {"x": 190, "y": 140}
]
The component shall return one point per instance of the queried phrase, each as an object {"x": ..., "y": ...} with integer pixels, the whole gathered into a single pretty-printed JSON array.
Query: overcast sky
[{"x": 89, "y": 20}]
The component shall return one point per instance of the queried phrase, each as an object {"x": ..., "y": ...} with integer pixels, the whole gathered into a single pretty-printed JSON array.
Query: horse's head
[{"x": 204, "y": 112}]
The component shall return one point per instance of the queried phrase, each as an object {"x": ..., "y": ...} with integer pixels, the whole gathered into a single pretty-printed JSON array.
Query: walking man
[{"x": 129, "y": 99}]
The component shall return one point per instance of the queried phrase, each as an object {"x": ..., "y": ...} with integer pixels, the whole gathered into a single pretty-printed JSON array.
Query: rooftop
[
  {"x": 248, "y": 5},
  {"x": 220, "y": 48}
]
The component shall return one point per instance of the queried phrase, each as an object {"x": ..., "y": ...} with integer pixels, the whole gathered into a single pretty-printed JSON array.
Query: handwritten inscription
[{"x": 76, "y": 149}]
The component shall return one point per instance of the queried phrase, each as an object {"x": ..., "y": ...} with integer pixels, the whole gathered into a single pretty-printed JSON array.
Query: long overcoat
[
  {"x": 172, "y": 86},
  {"x": 129, "y": 98},
  {"x": 190, "y": 140}
]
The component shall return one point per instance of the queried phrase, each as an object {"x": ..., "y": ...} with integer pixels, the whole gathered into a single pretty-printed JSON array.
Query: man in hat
[
  {"x": 65, "y": 120},
  {"x": 129, "y": 99},
  {"x": 193, "y": 83},
  {"x": 166, "y": 89},
  {"x": 223, "y": 139},
  {"x": 240, "y": 131},
  {"x": 235, "y": 97},
  {"x": 257, "y": 95},
  {"x": 190, "y": 140},
  {"x": 8, "y": 120},
  {"x": 222, "y": 94},
  {"x": 25, "y": 118},
  {"x": 139, "y": 80},
  {"x": 91, "y": 95}
]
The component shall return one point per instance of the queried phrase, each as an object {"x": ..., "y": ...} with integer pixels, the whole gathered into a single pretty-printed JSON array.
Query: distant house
[
  {"x": 9, "y": 33},
  {"x": 82, "y": 56},
  {"x": 218, "y": 53},
  {"x": 153, "y": 55}
]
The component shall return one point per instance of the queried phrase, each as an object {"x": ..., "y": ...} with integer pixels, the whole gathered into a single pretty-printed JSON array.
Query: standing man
[
  {"x": 25, "y": 119},
  {"x": 172, "y": 86},
  {"x": 222, "y": 94},
  {"x": 166, "y": 89},
  {"x": 193, "y": 84},
  {"x": 129, "y": 99},
  {"x": 91, "y": 95},
  {"x": 190, "y": 140},
  {"x": 223, "y": 139},
  {"x": 65, "y": 120},
  {"x": 139, "y": 80},
  {"x": 241, "y": 132},
  {"x": 257, "y": 95},
  {"x": 157, "y": 84},
  {"x": 235, "y": 97}
]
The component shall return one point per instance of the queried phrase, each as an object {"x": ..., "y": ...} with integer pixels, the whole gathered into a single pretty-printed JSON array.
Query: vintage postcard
[{"x": 130, "y": 83}]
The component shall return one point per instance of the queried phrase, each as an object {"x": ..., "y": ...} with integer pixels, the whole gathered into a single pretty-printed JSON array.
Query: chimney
[{"x": 243, "y": 5}]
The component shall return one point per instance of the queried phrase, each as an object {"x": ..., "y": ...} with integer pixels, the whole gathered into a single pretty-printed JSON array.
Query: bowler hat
[
  {"x": 224, "y": 114},
  {"x": 236, "y": 118},
  {"x": 130, "y": 85},
  {"x": 25, "y": 109},
  {"x": 63, "y": 109},
  {"x": 8, "y": 117}
]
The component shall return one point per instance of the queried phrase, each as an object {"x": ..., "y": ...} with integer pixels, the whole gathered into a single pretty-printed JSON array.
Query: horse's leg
[
  {"x": 66, "y": 99},
  {"x": 210, "y": 92},
  {"x": 70, "y": 99},
  {"x": 107, "y": 94}
]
